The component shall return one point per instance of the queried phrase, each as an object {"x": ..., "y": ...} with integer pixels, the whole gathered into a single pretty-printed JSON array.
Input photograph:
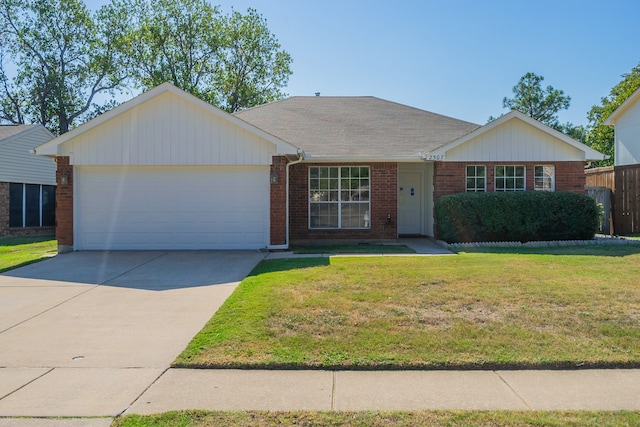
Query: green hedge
[{"x": 521, "y": 216}]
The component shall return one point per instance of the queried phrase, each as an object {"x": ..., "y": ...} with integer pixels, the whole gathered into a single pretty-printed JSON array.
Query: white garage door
[{"x": 173, "y": 207}]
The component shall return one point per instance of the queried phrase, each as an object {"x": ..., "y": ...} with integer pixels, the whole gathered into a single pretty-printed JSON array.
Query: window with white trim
[
  {"x": 544, "y": 178},
  {"x": 476, "y": 178},
  {"x": 339, "y": 197},
  {"x": 510, "y": 178},
  {"x": 32, "y": 205}
]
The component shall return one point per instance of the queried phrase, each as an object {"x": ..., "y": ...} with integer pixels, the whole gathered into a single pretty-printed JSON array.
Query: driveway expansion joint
[
  {"x": 26, "y": 384},
  {"x": 524, "y": 402}
]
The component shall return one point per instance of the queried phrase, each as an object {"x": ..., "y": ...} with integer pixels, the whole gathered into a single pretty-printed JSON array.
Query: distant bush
[{"x": 522, "y": 216}]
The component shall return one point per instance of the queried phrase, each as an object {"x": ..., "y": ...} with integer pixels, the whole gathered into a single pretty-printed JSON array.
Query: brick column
[
  {"x": 278, "y": 196},
  {"x": 64, "y": 205}
]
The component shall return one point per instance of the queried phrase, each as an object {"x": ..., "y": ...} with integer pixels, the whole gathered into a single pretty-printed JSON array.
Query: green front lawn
[
  {"x": 381, "y": 419},
  {"x": 19, "y": 251},
  {"x": 543, "y": 307},
  {"x": 364, "y": 248}
]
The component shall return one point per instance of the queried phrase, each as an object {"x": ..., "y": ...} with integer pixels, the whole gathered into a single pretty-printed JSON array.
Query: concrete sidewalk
[{"x": 391, "y": 390}]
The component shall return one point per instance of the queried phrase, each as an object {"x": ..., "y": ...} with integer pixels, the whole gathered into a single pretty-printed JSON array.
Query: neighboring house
[
  {"x": 27, "y": 182},
  {"x": 169, "y": 171},
  {"x": 626, "y": 120}
]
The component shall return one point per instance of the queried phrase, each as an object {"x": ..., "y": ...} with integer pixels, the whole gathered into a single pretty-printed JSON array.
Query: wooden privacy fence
[{"x": 624, "y": 183}]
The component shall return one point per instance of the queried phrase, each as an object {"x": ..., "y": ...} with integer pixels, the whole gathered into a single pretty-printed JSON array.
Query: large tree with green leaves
[
  {"x": 601, "y": 137},
  {"x": 253, "y": 67},
  {"x": 232, "y": 61},
  {"x": 63, "y": 58},
  {"x": 541, "y": 104}
]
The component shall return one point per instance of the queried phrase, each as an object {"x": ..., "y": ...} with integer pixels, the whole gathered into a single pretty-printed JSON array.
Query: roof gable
[
  {"x": 631, "y": 100},
  {"x": 529, "y": 140},
  {"x": 355, "y": 127},
  {"x": 18, "y": 163},
  {"x": 167, "y": 112}
]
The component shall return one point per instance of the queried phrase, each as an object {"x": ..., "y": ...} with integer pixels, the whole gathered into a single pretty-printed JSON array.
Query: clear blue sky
[{"x": 458, "y": 58}]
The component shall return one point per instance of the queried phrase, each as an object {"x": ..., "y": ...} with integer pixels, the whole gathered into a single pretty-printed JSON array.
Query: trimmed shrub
[{"x": 518, "y": 216}]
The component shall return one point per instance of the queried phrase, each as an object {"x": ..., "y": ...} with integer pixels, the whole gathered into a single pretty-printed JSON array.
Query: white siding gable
[
  {"x": 18, "y": 164},
  {"x": 167, "y": 129},
  {"x": 514, "y": 141},
  {"x": 627, "y": 139}
]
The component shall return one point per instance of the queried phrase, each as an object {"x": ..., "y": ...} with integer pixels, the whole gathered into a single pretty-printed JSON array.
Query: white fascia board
[
  {"x": 611, "y": 120},
  {"x": 310, "y": 158},
  {"x": 589, "y": 153},
  {"x": 50, "y": 148}
]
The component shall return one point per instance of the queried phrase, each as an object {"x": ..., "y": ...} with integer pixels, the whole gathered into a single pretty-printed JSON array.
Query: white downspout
[{"x": 286, "y": 243}]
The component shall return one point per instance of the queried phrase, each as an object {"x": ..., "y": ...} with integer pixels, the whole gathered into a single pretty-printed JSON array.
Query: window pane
[
  {"x": 520, "y": 183},
  {"x": 343, "y": 190},
  {"x": 15, "y": 205},
  {"x": 48, "y": 205},
  {"x": 32, "y": 217},
  {"x": 480, "y": 170},
  {"x": 471, "y": 170},
  {"x": 499, "y": 171},
  {"x": 519, "y": 171},
  {"x": 480, "y": 184}
]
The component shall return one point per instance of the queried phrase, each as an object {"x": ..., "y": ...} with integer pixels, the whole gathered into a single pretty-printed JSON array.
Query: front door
[{"x": 410, "y": 202}]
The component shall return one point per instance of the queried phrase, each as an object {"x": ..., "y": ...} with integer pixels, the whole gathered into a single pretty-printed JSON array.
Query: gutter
[{"x": 301, "y": 158}]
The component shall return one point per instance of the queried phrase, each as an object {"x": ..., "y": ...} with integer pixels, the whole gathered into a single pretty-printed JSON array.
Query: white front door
[{"x": 410, "y": 202}]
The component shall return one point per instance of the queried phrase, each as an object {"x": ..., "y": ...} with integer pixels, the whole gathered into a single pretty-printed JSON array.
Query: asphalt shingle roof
[
  {"x": 9, "y": 130},
  {"x": 354, "y": 127}
]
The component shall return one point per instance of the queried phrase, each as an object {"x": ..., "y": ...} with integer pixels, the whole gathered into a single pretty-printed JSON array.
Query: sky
[{"x": 456, "y": 58}]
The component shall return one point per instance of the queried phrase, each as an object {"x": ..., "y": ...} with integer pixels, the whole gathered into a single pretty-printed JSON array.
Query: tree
[
  {"x": 253, "y": 67},
  {"x": 601, "y": 137},
  {"x": 233, "y": 61},
  {"x": 64, "y": 60},
  {"x": 541, "y": 104}
]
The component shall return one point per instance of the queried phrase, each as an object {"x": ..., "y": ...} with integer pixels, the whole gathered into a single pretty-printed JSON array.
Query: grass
[
  {"x": 539, "y": 308},
  {"x": 364, "y": 248},
  {"x": 381, "y": 419},
  {"x": 18, "y": 251}
]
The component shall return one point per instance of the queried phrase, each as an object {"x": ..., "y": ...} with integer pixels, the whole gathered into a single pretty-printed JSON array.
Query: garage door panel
[{"x": 172, "y": 207}]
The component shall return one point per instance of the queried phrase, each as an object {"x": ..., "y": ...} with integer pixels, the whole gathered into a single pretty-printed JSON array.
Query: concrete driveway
[{"x": 86, "y": 333}]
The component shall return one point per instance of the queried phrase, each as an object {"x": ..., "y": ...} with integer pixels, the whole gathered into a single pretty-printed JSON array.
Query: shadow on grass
[
  {"x": 23, "y": 264},
  {"x": 604, "y": 250},
  {"x": 24, "y": 240},
  {"x": 275, "y": 265}
]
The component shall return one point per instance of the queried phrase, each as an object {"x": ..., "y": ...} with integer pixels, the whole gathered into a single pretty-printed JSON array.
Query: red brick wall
[
  {"x": 5, "y": 231},
  {"x": 278, "y": 193},
  {"x": 450, "y": 177},
  {"x": 64, "y": 205},
  {"x": 384, "y": 204}
]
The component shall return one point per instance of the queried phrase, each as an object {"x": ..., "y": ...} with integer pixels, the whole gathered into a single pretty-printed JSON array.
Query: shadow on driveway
[{"x": 148, "y": 270}]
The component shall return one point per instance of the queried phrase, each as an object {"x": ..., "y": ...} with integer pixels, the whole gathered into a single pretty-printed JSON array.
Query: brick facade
[
  {"x": 384, "y": 205},
  {"x": 5, "y": 230},
  {"x": 64, "y": 205},
  {"x": 278, "y": 208},
  {"x": 450, "y": 177}
]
